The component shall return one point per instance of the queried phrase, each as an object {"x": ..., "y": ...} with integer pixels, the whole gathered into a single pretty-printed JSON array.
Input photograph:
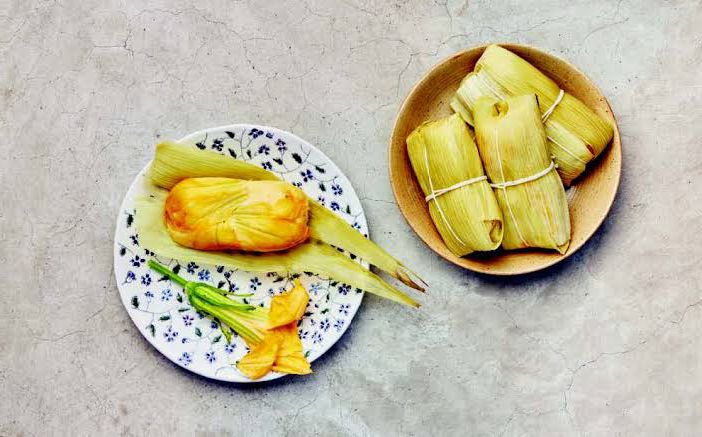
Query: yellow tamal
[{"x": 215, "y": 213}]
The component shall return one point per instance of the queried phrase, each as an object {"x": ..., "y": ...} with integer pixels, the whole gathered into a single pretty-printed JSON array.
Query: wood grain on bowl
[{"x": 589, "y": 198}]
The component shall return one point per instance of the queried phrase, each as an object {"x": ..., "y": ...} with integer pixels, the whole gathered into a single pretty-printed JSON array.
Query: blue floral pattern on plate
[{"x": 161, "y": 310}]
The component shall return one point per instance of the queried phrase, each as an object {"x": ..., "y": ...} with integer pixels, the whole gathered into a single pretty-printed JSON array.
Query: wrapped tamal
[
  {"x": 461, "y": 203},
  {"x": 514, "y": 151},
  {"x": 575, "y": 133}
]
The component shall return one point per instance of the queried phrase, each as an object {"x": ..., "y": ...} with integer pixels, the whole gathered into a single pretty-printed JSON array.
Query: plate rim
[
  {"x": 271, "y": 376},
  {"x": 404, "y": 208}
]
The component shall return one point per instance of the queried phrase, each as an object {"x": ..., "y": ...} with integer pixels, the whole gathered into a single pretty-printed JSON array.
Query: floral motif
[
  {"x": 169, "y": 334},
  {"x": 210, "y": 357},
  {"x": 146, "y": 279},
  {"x": 185, "y": 359},
  {"x": 166, "y": 295}
]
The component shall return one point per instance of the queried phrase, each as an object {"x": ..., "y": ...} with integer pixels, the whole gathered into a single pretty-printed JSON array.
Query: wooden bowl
[{"x": 589, "y": 198}]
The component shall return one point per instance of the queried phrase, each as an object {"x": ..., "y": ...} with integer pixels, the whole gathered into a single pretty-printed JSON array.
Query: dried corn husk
[
  {"x": 576, "y": 134},
  {"x": 443, "y": 154},
  {"x": 311, "y": 256},
  {"x": 513, "y": 147},
  {"x": 174, "y": 162}
]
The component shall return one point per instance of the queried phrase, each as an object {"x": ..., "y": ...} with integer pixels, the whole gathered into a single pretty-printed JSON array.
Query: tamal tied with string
[
  {"x": 514, "y": 150},
  {"x": 461, "y": 203}
]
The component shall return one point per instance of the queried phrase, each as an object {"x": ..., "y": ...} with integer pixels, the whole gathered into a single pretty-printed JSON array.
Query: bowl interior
[{"x": 589, "y": 198}]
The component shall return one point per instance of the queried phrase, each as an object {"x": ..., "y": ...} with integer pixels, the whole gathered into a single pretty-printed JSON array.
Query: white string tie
[
  {"x": 443, "y": 191},
  {"x": 550, "y": 110}
]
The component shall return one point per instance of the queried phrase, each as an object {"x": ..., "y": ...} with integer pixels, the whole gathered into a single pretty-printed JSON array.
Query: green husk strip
[
  {"x": 468, "y": 218},
  {"x": 174, "y": 162},
  {"x": 513, "y": 146},
  {"x": 312, "y": 256},
  {"x": 576, "y": 134}
]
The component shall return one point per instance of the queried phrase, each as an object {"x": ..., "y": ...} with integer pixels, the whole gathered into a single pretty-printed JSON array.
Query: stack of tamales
[
  {"x": 576, "y": 135},
  {"x": 461, "y": 203},
  {"x": 513, "y": 148}
]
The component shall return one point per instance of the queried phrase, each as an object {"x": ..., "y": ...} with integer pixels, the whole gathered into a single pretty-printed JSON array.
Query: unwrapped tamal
[
  {"x": 443, "y": 155},
  {"x": 575, "y": 133},
  {"x": 513, "y": 147}
]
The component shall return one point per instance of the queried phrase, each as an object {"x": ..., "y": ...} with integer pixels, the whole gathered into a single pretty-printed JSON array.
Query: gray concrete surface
[{"x": 608, "y": 343}]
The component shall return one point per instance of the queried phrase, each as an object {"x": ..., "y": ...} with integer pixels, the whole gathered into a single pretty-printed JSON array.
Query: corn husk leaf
[
  {"x": 575, "y": 133},
  {"x": 312, "y": 256},
  {"x": 513, "y": 146},
  {"x": 468, "y": 218},
  {"x": 174, "y": 162}
]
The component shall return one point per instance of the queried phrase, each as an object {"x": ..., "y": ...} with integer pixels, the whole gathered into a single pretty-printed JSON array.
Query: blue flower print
[
  {"x": 254, "y": 283},
  {"x": 166, "y": 295},
  {"x": 149, "y": 294},
  {"x": 146, "y": 279},
  {"x": 200, "y": 315},
  {"x": 324, "y": 325},
  {"x": 344, "y": 308},
  {"x": 269, "y": 135},
  {"x": 184, "y": 340},
  {"x": 298, "y": 184},
  {"x": 255, "y": 133},
  {"x": 307, "y": 175},
  {"x": 317, "y": 337},
  {"x": 356, "y": 225},
  {"x": 185, "y": 359},
  {"x": 267, "y": 165},
  {"x": 210, "y": 357},
  {"x": 321, "y": 200},
  {"x": 264, "y": 150},
  {"x": 229, "y": 348},
  {"x": 130, "y": 277},
  {"x": 337, "y": 190},
  {"x": 217, "y": 144},
  {"x": 135, "y": 239},
  {"x": 281, "y": 146},
  {"x": 344, "y": 289},
  {"x": 315, "y": 288},
  {"x": 169, "y": 334},
  {"x": 233, "y": 288},
  {"x": 304, "y": 334},
  {"x": 213, "y": 325},
  {"x": 227, "y": 274},
  {"x": 204, "y": 275},
  {"x": 188, "y": 319},
  {"x": 137, "y": 261},
  {"x": 338, "y": 325},
  {"x": 191, "y": 267},
  {"x": 334, "y": 206}
]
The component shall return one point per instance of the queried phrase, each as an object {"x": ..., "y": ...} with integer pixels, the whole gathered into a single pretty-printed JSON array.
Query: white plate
[{"x": 160, "y": 309}]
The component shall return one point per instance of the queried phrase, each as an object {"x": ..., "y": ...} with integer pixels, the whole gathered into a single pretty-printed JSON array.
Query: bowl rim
[{"x": 615, "y": 142}]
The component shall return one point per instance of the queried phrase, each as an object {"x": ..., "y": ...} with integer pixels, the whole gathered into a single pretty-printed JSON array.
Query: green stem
[{"x": 160, "y": 268}]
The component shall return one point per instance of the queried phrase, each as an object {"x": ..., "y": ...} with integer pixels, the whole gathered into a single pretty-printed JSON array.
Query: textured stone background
[{"x": 608, "y": 343}]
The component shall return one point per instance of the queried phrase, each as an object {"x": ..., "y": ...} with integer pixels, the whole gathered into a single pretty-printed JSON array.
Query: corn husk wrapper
[
  {"x": 174, "y": 162},
  {"x": 311, "y": 256},
  {"x": 513, "y": 146},
  {"x": 468, "y": 218},
  {"x": 575, "y": 133}
]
